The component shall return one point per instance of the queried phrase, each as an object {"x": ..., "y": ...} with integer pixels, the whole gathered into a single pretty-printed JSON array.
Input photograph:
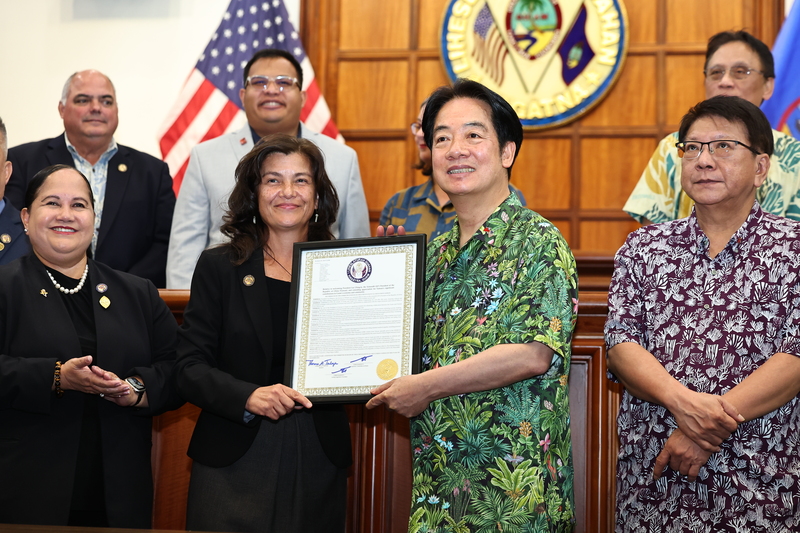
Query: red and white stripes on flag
[{"x": 209, "y": 106}]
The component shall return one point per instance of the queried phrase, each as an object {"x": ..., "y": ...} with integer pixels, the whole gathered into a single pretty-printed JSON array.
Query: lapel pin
[
  {"x": 248, "y": 280},
  {"x": 5, "y": 238},
  {"x": 243, "y": 141},
  {"x": 122, "y": 167},
  {"x": 2, "y": 246},
  {"x": 105, "y": 302},
  {"x": 101, "y": 288},
  {"x": 43, "y": 293}
]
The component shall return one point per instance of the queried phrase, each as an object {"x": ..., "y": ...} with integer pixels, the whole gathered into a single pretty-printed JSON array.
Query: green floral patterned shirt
[{"x": 497, "y": 460}]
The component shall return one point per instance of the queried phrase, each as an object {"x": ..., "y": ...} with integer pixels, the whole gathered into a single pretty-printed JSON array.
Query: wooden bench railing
[{"x": 379, "y": 485}]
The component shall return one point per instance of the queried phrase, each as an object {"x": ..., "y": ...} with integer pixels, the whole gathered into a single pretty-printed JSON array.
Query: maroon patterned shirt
[{"x": 711, "y": 322}]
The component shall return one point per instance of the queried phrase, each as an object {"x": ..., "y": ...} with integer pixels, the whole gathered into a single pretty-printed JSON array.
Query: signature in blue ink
[
  {"x": 324, "y": 362},
  {"x": 341, "y": 370},
  {"x": 361, "y": 359}
]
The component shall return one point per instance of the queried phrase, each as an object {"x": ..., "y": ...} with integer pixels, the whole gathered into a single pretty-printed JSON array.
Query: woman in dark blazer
[
  {"x": 75, "y": 434},
  {"x": 265, "y": 459}
]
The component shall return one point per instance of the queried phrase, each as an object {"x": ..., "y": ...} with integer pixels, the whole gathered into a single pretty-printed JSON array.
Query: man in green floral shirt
[{"x": 490, "y": 428}]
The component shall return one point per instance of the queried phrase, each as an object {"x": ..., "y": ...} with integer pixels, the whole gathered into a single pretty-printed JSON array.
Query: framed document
[{"x": 355, "y": 316}]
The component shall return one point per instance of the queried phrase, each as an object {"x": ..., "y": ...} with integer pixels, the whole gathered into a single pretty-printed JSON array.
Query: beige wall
[{"x": 147, "y": 47}]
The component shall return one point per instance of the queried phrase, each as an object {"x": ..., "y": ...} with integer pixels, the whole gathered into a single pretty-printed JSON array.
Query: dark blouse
[
  {"x": 279, "y": 307},
  {"x": 87, "y": 491}
]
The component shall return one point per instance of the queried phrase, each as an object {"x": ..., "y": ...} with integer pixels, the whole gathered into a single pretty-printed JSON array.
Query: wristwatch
[{"x": 137, "y": 386}]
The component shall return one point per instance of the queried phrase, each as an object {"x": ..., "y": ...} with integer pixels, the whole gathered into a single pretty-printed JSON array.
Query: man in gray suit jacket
[{"x": 272, "y": 99}]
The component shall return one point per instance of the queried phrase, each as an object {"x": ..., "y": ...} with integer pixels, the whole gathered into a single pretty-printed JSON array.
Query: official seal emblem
[
  {"x": 359, "y": 270},
  {"x": 552, "y": 60}
]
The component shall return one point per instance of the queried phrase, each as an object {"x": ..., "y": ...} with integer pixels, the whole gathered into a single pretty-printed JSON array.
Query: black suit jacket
[
  {"x": 11, "y": 230},
  {"x": 225, "y": 353},
  {"x": 40, "y": 433},
  {"x": 137, "y": 212}
]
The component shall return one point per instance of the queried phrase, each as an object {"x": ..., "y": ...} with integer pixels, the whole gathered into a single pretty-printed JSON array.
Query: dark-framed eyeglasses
[
  {"x": 721, "y": 148},
  {"x": 737, "y": 73},
  {"x": 416, "y": 127},
  {"x": 283, "y": 83}
]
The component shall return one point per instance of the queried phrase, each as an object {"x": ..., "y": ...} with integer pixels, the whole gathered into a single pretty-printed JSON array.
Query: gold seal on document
[{"x": 387, "y": 369}]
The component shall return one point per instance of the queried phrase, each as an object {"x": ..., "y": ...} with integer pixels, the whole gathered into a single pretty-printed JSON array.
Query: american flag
[
  {"x": 209, "y": 104},
  {"x": 490, "y": 51}
]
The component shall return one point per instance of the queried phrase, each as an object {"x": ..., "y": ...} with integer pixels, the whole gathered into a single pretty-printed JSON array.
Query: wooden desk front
[{"x": 379, "y": 486}]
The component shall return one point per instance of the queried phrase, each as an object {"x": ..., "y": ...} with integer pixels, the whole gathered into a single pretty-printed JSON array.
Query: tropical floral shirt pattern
[
  {"x": 417, "y": 209},
  {"x": 497, "y": 460},
  {"x": 711, "y": 323},
  {"x": 659, "y": 197}
]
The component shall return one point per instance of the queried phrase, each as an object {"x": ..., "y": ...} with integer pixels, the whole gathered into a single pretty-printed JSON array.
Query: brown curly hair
[{"x": 243, "y": 225}]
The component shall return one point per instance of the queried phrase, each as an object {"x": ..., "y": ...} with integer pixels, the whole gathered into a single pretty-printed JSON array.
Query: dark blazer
[
  {"x": 225, "y": 353},
  {"x": 11, "y": 230},
  {"x": 40, "y": 433},
  {"x": 137, "y": 212}
]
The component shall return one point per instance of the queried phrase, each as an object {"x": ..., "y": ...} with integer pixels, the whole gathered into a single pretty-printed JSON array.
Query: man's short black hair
[
  {"x": 761, "y": 49},
  {"x": 270, "y": 53},
  {"x": 737, "y": 111},
  {"x": 504, "y": 119}
]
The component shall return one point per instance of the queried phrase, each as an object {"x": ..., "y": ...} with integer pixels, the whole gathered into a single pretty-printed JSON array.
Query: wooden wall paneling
[
  {"x": 632, "y": 101},
  {"x": 695, "y": 22},
  {"x": 384, "y": 170},
  {"x": 373, "y": 91},
  {"x": 430, "y": 76},
  {"x": 642, "y": 19},
  {"x": 685, "y": 85},
  {"x": 606, "y": 235},
  {"x": 661, "y": 80},
  {"x": 374, "y": 25},
  {"x": 542, "y": 172},
  {"x": 588, "y": 347},
  {"x": 319, "y": 23},
  {"x": 610, "y": 167},
  {"x": 379, "y": 486},
  {"x": 172, "y": 468},
  {"x": 431, "y": 15}
]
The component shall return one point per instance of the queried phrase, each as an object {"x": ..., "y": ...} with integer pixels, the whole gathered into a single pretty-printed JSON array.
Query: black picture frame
[{"x": 339, "y": 286}]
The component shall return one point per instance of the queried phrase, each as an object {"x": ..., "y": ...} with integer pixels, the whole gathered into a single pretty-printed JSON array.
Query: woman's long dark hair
[{"x": 242, "y": 223}]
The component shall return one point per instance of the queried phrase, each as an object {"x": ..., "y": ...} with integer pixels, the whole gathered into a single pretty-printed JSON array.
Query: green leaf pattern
[{"x": 497, "y": 460}]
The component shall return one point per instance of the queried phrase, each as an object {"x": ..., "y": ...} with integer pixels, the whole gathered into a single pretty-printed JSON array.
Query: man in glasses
[
  {"x": 703, "y": 331},
  {"x": 737, "y": 64},
  {"x": 132, "y": 190},
  {"x": 272, "y": 98}
]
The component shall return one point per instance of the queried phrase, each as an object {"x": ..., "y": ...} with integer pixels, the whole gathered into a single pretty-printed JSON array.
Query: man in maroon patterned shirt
[{"x": 703, "y": 323}]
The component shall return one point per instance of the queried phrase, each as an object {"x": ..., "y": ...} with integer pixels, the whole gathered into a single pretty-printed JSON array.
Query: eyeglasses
[
  {"x": 737, "y": 73},
  {"x": 281, "y": 82},
  {"x": 719, "y": 149},
  {"x": 416, "y": 127}
]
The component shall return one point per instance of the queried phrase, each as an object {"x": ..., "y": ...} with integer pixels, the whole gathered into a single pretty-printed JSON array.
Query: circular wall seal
[
  {"x": 552, "y": 60},
  {"x": 359, "y": 270}
]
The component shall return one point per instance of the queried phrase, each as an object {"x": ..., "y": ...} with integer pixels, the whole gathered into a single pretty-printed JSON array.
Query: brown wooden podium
[{"x": 379, "y": 486}]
